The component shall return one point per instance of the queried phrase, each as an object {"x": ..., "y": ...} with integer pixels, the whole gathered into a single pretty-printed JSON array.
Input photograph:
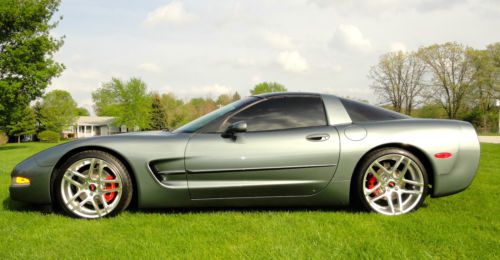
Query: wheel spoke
[
  {"x": 92, "y": 166},
  {"x": 400, "y": 202},
  {"x": 381, "y": 167},
  {"x": 378, "y": 197},
  {"x": 77, "y": 194},
  {"x": 405, "y": 169},
  {"x": 83, "y": 202},
  {"x": 112, "y": 190},
  {"x": 370, "y": 191},
  {"x": 389, "y": 201},
  {"x": 104, "y": 203},
  {"x": 415, "y": 183},
  {"x": 377, "y": 175},
  {"x": 101, "y": 170},
  {"x": 396, "y": 166},
  {"x": 411, "y": 191},
  {"x": 73, "y": 182},
  {"x": 76, "y": 173},
  {"x": 96, "y": 207},
  {"x": 110, "y": 181}
]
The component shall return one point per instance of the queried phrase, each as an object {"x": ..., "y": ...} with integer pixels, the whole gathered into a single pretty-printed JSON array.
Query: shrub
[
  {"x": 3, "y": 138},
  {"x": 49, "y": 136}
]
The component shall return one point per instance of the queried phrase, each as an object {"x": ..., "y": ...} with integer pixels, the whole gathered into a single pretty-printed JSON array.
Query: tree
[
  {"x": 223, "y": 100},
  {"x": 26, "y": 54},
  {"x": 175, "y": 110},
  {"x": 484, "y": 84},
  {"x": 451, "y": 74},
  {"x": 267, "y": 87},
  {"x": 24, "y": 124},
  {"x": 158, "y": 114},
  {"x": 494, "y": 56},
  {"x": 398, "y": 79},
  {"x": 197, "y": 107},
  {"x": 129, "y": 101},
  {"x": 236, "y": 96},
  {"x": 57, "y": 110},
  {"x": 81, "y": 111}
]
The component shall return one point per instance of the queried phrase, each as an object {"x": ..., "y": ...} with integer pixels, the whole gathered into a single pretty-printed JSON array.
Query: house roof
[{"x": 95, "y": 120}]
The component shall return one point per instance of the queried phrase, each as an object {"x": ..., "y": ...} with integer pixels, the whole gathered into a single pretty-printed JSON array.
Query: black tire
[
  {"x": 95, "y": 188},
  {"x": 362, "y": 182}
]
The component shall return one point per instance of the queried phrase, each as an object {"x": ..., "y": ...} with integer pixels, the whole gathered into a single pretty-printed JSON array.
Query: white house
[{"x": 88, "y": 126}]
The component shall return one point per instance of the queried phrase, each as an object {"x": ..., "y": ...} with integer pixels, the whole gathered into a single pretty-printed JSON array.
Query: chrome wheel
[
  {"x": 393, "y": 184},
  {"x": 91, "y": 188}
]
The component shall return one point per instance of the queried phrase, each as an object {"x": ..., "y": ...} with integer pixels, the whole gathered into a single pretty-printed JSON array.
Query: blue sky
[{"x": 206, "y": 48}]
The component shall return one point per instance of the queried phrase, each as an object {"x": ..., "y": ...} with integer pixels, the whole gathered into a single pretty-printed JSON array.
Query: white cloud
[
  {"x": 149, "y": 67},
  {"x": 256, "y": 79},
  {"x": 246, "y": 62},
  {"x": 336, "y": 68},
  {"x": 292, "y": 61},
  {"x": 350, "y": 37},
  {"x": 279, "y": 41},
  {"x": 398, "y": 46},
  {"x": 173, "y": 13},
  {"x": 383, "y": 6},
  {"x": 328, "y": 65},
  {"x": 433, "y": 5},
  {"x": 82, "y": 80},
  {"x": 212, "y": 91}
]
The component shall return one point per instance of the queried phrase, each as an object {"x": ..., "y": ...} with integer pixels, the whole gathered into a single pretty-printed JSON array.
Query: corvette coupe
[{"x": 277, "y": 149}]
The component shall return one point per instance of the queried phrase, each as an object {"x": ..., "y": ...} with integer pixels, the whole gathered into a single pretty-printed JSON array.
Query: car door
[{"x": 288, "y": 150}]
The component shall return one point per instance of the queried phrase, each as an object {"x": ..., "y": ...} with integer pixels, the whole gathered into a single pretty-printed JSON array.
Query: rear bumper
[
  {"x": 465, "y": 167},
  {"x": 38, "y": 191}
]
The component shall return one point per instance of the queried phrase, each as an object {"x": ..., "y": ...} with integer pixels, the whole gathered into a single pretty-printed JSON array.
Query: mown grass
[
  {"x": 465, "y": 225},
  {"x": 489, "y": 134}
]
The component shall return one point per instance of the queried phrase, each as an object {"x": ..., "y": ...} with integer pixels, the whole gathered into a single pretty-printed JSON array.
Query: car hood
[{"x": 117, "y": 143}]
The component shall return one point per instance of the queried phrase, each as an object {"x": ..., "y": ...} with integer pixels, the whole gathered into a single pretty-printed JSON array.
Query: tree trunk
[{"x": 18, "y": 139}]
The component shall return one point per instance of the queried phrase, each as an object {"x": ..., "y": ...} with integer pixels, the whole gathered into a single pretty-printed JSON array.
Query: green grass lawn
[
  {"x": 465, "y": 225},
  {"x": 489, "y": 134}
]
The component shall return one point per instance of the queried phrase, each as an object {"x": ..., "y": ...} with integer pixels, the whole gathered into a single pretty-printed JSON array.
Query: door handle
[{"x": 318, "y": 137}]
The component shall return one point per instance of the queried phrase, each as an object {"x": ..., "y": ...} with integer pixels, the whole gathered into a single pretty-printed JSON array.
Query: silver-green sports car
[{"x": 280, "y": 149}]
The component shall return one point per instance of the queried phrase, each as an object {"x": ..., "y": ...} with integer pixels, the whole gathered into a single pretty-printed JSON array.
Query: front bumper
[{"x": 38, "y": 190}]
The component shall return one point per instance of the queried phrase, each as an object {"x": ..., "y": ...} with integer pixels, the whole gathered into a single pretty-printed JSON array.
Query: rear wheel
[
  {"x": 93, "y": 184},
  {"x": 392, "y": 182}
]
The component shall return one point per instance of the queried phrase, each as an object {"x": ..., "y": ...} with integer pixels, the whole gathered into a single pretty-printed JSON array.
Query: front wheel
[
  {"x": 392, "y": 182},
  {"x": 93, "y": 184}
]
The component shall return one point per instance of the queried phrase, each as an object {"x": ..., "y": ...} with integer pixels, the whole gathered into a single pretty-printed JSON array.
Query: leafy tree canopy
[
  {"x": 24, "y": 123},
  {"x": 57, "y": 110},
  {"x": 129, "y": 101},
  {"x": 26, "y": 54},
  {"x": 267, "y": 87},
  {"x": 81, "y": 111}
]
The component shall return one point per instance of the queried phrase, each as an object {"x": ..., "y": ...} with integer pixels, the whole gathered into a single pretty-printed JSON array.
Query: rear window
[{"x": 361, "y": 112}]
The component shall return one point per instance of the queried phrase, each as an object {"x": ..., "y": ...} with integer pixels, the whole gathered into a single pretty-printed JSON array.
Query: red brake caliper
[
  {"x": 372, "y": 181},
  {"x": 109, "y": 186}
]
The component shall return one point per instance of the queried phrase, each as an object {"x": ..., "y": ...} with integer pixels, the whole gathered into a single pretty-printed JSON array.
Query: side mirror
[{"x": 237, "y": 127}]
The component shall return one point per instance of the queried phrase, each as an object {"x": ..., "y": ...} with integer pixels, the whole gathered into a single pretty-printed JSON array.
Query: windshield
[{"x": 204, "y": 120}]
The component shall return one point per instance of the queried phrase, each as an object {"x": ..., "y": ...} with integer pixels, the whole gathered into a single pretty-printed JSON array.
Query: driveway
[{"x": 489, "y": 139}]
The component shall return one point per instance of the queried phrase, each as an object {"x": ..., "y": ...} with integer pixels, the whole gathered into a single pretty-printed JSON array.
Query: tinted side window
[
  {"x": 360, "y": 112},
  {"x": 282, "y": 113}
]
